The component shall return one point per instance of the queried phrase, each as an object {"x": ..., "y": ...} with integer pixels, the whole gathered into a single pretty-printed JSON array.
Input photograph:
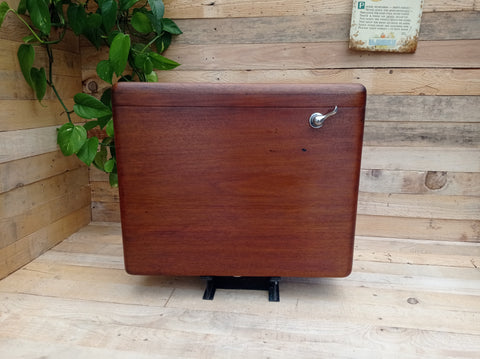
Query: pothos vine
[{"x": 135, "y": 32}]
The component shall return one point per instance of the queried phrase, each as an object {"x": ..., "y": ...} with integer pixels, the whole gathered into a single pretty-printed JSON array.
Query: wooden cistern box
[{"x": 257, "y": 180}]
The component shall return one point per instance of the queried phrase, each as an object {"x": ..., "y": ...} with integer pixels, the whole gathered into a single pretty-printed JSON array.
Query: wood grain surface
[{"x": 235, "y": 181}]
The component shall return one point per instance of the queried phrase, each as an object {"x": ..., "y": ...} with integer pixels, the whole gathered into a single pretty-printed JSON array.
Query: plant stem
[
  {"x": 150, "y": 43},
  {"x": 34, "y": 33},
  {"x": 51, "y": 84}
]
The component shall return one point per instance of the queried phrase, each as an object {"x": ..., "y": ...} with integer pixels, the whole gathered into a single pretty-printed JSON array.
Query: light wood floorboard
[{"x": 404, "y": 299}]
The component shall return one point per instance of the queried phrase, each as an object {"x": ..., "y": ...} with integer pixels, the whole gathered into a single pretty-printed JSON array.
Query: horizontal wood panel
[
  {"x": 19, "y": 144},
  {"x": 40, "y": 216},
  {"x": 245, "y": 8},
  {"x": 417, "y": 252},
  {"x": 14, "y": 30},
  {"x": 398, "y": 82},
  {"x": 415, "y": 109},
  {"x": 419, "y": 206},
  {"x": 29, "y": 114},
  {"x": 103, "y": 192},
  {"x": 23, "y": 251},
  {"x": 322, "y": 55},
  {"x": 331, "y": 27},
  {"x": 422, "y": 134},
  {"x": 65, "y": 62},
  {"x": 24, "y": 202},
  {"x": 418, "y": 228},
  {"x": 15, "y": 88},
  {"x": 421, "y": 182},
  {"x": 421, "y": 159},
  {"x": 452, "y": 82},
  {"x": 19, "y": 173},
  {"x": 105, "y": 211}
]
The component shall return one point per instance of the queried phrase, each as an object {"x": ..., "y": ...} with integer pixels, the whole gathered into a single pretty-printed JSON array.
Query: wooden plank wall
[
  {"x": 421, "y": 160},
  {"x": 44, "y": 196}
]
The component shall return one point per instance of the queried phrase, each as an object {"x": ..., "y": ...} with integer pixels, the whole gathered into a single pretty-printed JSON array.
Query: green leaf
[
  {"x": 40, "y": 15},
  {"x": 127, "y": 4},
  {"x": 106, "y": 98},
  {"x": 100, "y": 158},
  {"x": 170, "y": 26},
  {"x": 141, "y": 23},
  {"x": 163, "y": 42},
  {"x": 105, "y": 71},
  {"x": 147, "y": 66},
  {"x": 22, "y": 7},
  {"x": 139, "y": 60},
  {"x": 109, "y": 128},
  {"x": 29, "y": 38},
  {"x": 109, "y": 165},
  {"x": 90, "y": 124},
  {"x": 152, "y": 77},
  {"x": 87, "y": 153},
  {"x": 113, "y": 179},
  {"x": 39, "y": 80},
  {"x": 77, "y": 18},
  {"x": 71, "y": 138},
  {"x": 118, "y": 54},
  {"x": 3, "y": 11},
  {"x": 88, "y": 107},
  {"x": 158, "y": 10},
  {"x": 108, "y": 10},
  {"x": 102, "y": 121},
  {"x": 26, "y": 56},
  {"x": 162, "y": 63},
  {"x": 94, "y": 21}
]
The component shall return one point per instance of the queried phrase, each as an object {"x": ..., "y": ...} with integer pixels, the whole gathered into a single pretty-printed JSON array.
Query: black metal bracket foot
[{"x": 271, "y": 284}]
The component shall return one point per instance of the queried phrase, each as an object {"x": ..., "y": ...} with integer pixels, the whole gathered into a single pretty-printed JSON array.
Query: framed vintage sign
[{"x": 385, "y": 25}]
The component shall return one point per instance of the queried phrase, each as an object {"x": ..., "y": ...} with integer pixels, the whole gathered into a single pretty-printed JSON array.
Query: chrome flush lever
[{"x": 317, "y": 119}]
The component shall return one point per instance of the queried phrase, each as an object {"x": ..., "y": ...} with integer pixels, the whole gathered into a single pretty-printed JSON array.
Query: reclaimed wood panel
[
  {"x": 22, "y": 199},
  {"x": 25, "y": 171},
  {"x": 392, "y": 82},
  {"x": 21, "y": 252},
  {"x": 65, "y": 63},
  {"x": 14, "y": 30},
  {"x": 423, "y": 134},
  {"x": 420, "y": 182},
  {"x": 30, "y": 114},
  {"x": 306, "y": 55},
  {"x": 19, "y": 144},
  {"x": 245, "y": 8},
  {"x": 424, "y": 82},
  {"x": 41, "y": 201},
  {"x": 106, "y": 211},
  {"x": 14, "y": 86},
  {"x": 419, "y": 206},
  {"x": 28, "y": 209},
  {"x": 418, "y": 109},
  {"x": 438, "y": 26},
  {"x": 421, "y": 158},
  {"x": 418, "y": 228}
]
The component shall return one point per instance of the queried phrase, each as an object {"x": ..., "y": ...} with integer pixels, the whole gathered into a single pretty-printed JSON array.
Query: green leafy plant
[{"x": 135, "y": 32}]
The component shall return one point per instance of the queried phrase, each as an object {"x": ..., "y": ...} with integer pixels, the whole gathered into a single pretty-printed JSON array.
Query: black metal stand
[{"x": 251, "y": 283}]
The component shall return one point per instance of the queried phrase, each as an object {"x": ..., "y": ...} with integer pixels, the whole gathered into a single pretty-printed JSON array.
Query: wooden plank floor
[{"x": 404, "y": 299}]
